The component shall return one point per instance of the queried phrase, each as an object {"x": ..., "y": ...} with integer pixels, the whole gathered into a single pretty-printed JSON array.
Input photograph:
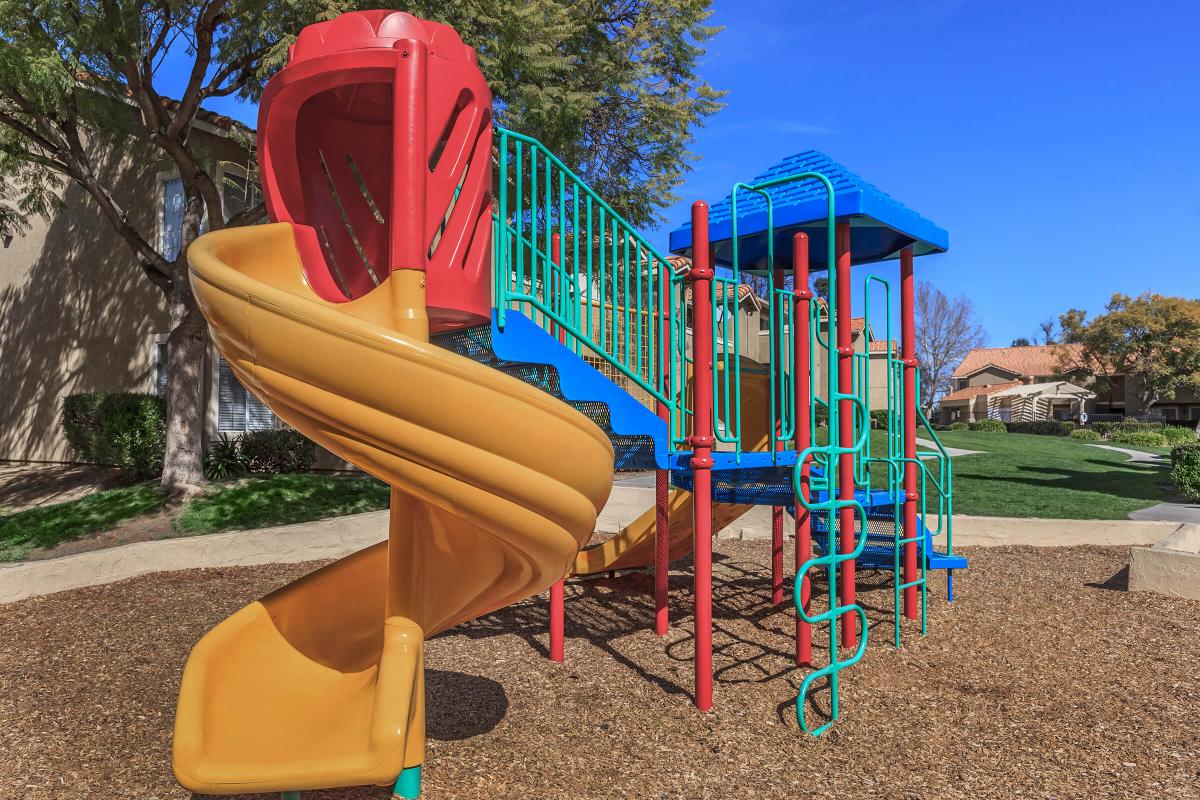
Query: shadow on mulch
[{"x": 1042, "y": 679}]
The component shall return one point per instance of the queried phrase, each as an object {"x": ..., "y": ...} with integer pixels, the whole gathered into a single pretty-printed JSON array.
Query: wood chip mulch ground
[{"x": 1045, "y": 679}]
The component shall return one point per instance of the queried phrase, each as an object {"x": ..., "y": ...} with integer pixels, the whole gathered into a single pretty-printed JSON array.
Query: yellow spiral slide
[{"x": 495, "y": 486}]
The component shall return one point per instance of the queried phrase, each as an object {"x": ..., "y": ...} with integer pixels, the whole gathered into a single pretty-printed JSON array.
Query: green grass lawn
[
  {"x": 47, "y": 526},
  {"x": 1017, "y": 475},
  {"x": 249, "y": 503},
  {"x": 1021, "y": 475},
  {"x": 281, "y": 500}
]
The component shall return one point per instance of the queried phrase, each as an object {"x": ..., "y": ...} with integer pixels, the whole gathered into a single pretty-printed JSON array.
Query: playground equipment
[{"x": 493, "y": 346}]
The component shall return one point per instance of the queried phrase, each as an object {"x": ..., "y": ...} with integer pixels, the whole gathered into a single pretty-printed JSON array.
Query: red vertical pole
[
  {"x": 411, "y": 158},
  {"x": 559, "y": 283},
  {"x": 802, "y": 377},
  {"x": 845, "y": 434},
  {"x": 702, "y": 441},
  {"x": 558, "y": 611},
  {"x": 662, "y": 516},
  {"x": 908, "y": 352},
  {"x": 777, "y": 511}
]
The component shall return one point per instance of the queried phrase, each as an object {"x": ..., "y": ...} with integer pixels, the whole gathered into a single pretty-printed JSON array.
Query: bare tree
[
  {"x": 1047, "y": 329},
  {"x": 947, "y": 329}
]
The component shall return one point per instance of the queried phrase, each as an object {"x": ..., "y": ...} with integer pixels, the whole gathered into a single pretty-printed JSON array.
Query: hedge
[
  {"x": 1185, "y": 470},
  {"x": 989, "y": 426},
  {"x": 1141, "y": 439},
  {"x": 1042, "y": 427},
  {"x": 958, "y": 426},
  {"x": 1177, "y": 435},
  {"x": 123, "y": 429},
  {"x": 277, "y": 451},
  {"x": 1085, "y": 434}
]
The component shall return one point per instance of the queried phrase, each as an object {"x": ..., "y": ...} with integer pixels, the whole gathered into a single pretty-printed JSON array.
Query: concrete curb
[
  {"x": 1171, "y": 567},
  {"x": 334, "y": 538}
]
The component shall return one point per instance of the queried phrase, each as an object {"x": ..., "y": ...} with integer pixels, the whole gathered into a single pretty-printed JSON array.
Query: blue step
[
  {"x": 529, "y": 354},
  {"x": 878, "y": 552}
]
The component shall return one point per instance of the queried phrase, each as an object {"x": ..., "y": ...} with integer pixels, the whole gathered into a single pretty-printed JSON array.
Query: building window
[
  {"x": 237, "y": 191},
  {"x": 237, "y": 409},
  {"x": 1168, "y": 412},
  {"x": 170, "y": 229},
  {"x": 160, "y": 369}
]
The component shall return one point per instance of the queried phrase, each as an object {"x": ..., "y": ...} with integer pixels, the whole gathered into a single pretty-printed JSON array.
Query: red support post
[
  {"x": 803, "y": 379},
  {"x": 558, "y": 611},
  {"x": 845, "y": 434},
  {"x": 662, "y": 515},
  {"x": 559, "y": 283},
  {"x": 702, "y": 441},
  {"x": 908, "y": 352},
  {"x": 557, "y": 620},
  {"x": 777, "y": 511}
]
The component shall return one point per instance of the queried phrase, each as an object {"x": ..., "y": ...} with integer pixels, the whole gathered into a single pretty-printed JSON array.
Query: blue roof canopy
[{"x": 880, "y": 227}]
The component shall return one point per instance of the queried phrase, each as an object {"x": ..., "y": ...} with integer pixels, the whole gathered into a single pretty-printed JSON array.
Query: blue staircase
[
  {"x": 525, "y": 351},
  {"x": 531, "y": 355}
]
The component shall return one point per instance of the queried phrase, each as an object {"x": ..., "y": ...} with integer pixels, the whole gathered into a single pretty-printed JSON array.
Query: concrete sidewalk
[{"x": 338, "y": 537}]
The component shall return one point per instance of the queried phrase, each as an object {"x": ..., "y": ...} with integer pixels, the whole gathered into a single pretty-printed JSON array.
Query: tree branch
[
  {"x": 189, "y": 104},
  {"x": 250, "y": 216}
]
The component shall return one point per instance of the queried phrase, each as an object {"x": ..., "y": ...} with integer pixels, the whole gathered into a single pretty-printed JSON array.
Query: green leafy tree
[
  {"x": 609, "y": 84},
  {"x": 1152, "y": 340}
]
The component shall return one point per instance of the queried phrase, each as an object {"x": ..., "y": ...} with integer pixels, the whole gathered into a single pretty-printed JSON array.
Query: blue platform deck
[{"x": 880, "y": 226}]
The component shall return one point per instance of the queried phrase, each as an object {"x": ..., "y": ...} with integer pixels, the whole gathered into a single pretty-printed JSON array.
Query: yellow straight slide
[
  {"x": 496, "y": 485},
  {"x": 633, "y": 546}
]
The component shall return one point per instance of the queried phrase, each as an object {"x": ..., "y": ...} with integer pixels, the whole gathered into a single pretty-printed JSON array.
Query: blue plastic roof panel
[{"x": 880, "y": 226}]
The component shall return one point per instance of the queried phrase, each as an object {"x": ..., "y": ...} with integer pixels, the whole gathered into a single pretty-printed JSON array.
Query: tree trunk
[{"x": 183, "y": 463}]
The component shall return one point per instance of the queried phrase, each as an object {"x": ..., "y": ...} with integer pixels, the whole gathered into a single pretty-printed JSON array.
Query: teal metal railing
[{"x": 568, "y": 261}]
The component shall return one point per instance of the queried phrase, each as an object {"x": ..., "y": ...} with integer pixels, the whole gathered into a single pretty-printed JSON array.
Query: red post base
[
  {"x": 776, "y": 555},
  {"x": 557, "y": 620},
  {"x": 662, "y": 554}
]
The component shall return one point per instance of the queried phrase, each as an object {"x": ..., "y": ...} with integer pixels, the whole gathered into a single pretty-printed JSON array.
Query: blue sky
[{"x": 1058, "y": 142}]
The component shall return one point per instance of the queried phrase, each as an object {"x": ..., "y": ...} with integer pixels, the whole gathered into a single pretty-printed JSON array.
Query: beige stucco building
[
  {"x": 77, "y": 313},
  {"x": 1026, "y": 383}
]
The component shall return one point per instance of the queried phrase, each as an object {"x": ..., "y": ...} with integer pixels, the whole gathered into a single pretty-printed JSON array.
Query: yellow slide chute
[{"x": 496, "y": 485}]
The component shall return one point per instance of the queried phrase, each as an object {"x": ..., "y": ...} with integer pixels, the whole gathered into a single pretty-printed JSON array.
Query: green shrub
[
  {"x": 1141, "y": 439},
  {"x": 1085, "y": 434},
  {"x": 1185, "y": 470},
  {"x": 124, "y": 429},
  {"x": 879, "y": 419},
  {"x": 989, "y": 426},
  {"x": 1042, "y": 427},
  {"x": 1107, "y": 429},
  {"x": 1177, "y": 434},
  {"x": 277, "y": 451},
  {"x": 225, "y": 460},
  {"x": 81, "y": 422},
  {"x": 958, "y": 426}
]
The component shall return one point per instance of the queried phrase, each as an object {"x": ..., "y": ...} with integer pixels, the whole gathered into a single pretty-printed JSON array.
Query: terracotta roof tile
[
  {"x": 1035, "y": 361},
  {"x": 975, "y": 391}
]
